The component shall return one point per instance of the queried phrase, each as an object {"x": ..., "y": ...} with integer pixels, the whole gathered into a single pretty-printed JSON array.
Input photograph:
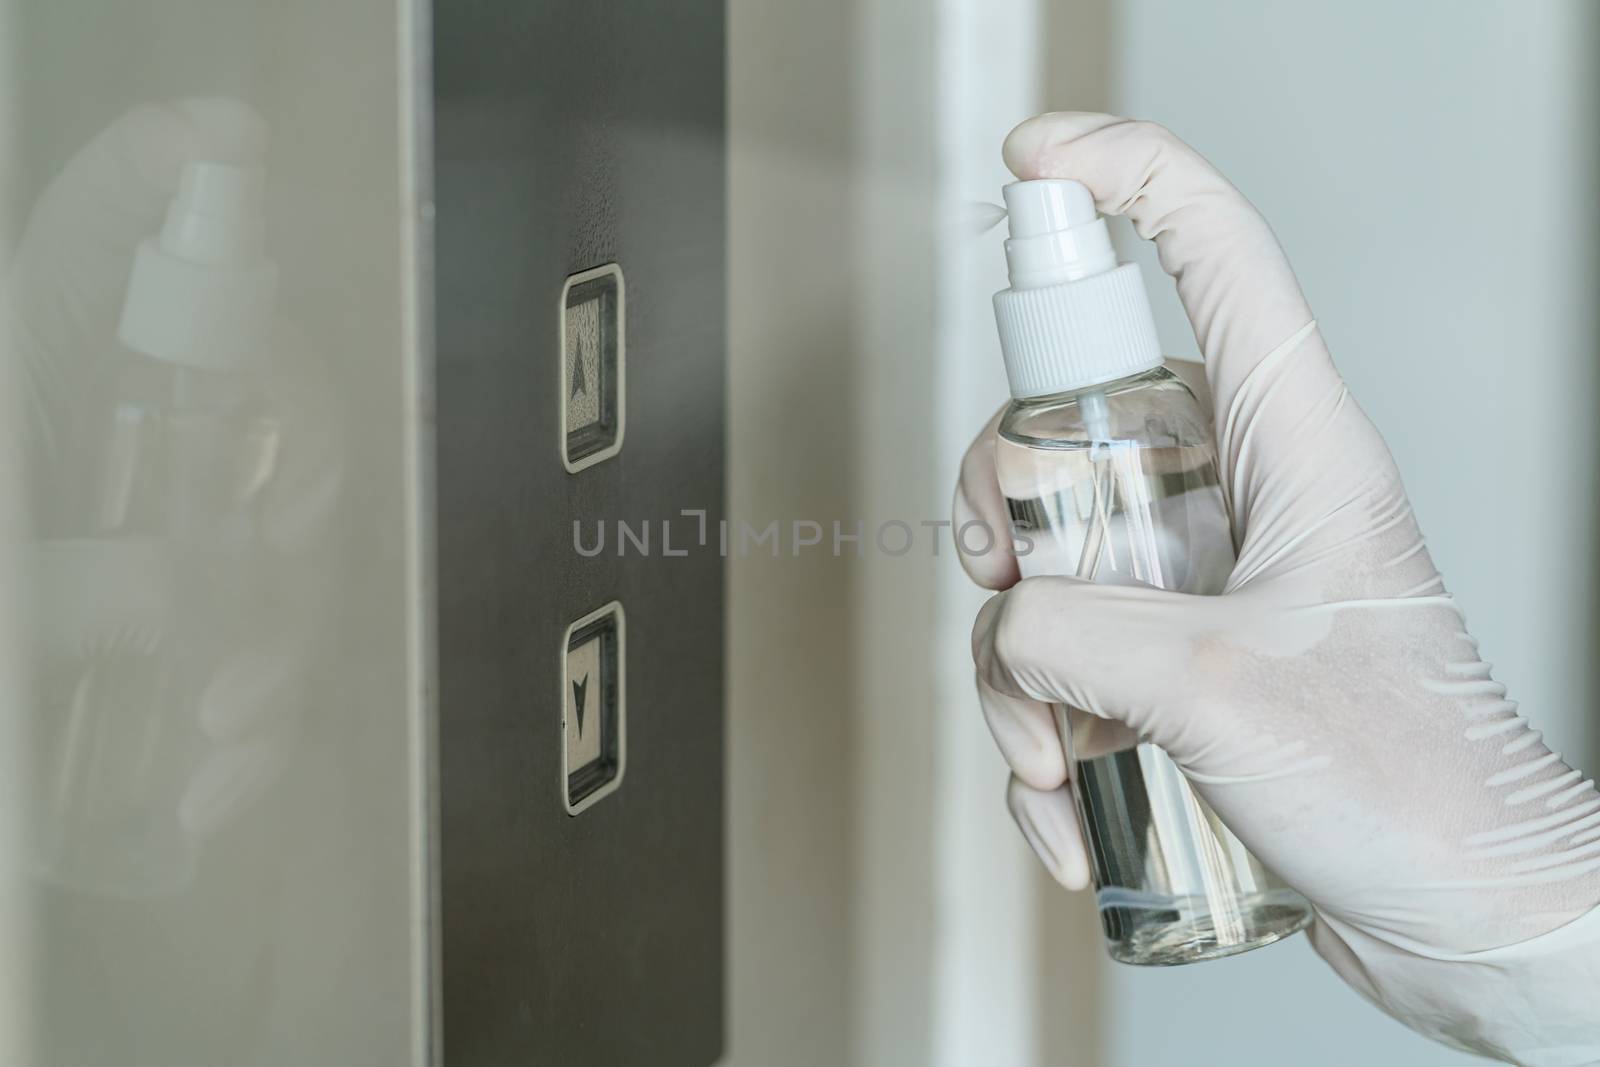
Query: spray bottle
[{"x": 1108, "y": 467}]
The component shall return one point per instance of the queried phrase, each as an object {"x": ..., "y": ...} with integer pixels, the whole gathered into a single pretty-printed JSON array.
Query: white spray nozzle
[
  {"x": 217, "y": 215},
  {"x": 1056, "y": 234},
  {"x": 1072, "y": 318},
  {"x": 1047, "y": 204},
  {"x": 203, "y": 292}
]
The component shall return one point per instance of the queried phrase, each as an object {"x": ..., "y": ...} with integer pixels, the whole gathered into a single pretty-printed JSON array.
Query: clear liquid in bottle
[{"x": 1118, "y": 484}]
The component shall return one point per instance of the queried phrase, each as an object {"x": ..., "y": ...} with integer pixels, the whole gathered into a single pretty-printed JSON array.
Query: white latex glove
[{"x": 1330, "y": 704}]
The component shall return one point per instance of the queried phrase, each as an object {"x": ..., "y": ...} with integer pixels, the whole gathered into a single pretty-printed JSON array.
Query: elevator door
[{"x": 579, "y": 286}]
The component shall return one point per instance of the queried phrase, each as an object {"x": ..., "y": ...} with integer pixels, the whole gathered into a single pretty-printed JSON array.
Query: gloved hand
[{"x": 1330, "y": 705}]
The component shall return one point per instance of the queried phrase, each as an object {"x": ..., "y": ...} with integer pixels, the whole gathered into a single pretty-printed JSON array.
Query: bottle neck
[{"x": 1151, "y": 376}]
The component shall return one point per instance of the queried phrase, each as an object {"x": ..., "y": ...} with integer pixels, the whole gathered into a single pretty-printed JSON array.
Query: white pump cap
[
  {"x": 203, "y": 291},
  {"x": 1072, "y": 317}
]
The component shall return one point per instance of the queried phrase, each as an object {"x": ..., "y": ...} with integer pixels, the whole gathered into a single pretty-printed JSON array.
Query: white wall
[{"x": 1430, "y": 169}]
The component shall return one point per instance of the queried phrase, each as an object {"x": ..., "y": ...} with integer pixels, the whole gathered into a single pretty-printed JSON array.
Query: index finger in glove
[{"x": 1236, "y": 284}]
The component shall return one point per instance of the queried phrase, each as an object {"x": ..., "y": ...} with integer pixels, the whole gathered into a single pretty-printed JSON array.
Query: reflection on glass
[
  {"x": 184, "y": 477},
  {"x": 205, "y": 345}
]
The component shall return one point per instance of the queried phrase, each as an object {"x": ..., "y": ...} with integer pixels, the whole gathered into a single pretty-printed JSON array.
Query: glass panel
[{"x": 209, "y": 821}]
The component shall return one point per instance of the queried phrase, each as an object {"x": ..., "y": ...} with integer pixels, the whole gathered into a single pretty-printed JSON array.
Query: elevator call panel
[{"x": 578, "y": 241}]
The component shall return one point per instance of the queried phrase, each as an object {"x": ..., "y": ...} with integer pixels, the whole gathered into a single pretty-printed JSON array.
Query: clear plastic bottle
[{"x": 1107, "y": 464}]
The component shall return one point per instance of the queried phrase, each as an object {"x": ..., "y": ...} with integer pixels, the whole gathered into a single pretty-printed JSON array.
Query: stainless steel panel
[{"x": 567, "y": 137}]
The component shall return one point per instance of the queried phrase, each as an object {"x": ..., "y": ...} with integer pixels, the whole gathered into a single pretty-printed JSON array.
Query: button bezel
[
  {"x": 599, "y": 441},
  {"x": 582, "y": 787}
]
